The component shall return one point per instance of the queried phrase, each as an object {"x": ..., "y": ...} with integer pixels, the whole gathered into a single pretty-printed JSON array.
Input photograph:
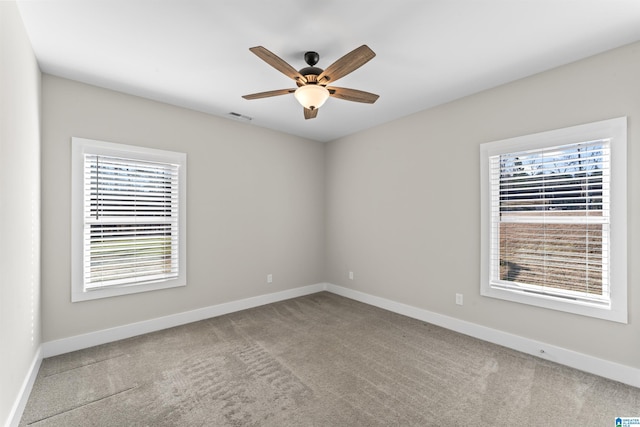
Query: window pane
[
  {"x": 125, "y": 253},
  {"x": 566, "y": 178},
  {"x": 559, "y": 256}
]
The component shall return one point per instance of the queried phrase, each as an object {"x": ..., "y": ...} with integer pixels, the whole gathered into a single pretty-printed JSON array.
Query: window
[
  {"x": 554, "y": 219},
  {"x": 128, "y": 219}
]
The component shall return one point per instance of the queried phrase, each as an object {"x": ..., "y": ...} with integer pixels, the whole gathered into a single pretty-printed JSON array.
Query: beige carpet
[{"x": 319, "y": 360}]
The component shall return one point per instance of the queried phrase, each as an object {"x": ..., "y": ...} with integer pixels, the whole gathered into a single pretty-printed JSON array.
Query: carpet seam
[
  {"x": 84, "y": 366},
  {"x": 83, "y": 405}
]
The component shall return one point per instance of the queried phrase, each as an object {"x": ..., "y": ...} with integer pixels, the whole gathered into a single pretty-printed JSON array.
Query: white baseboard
[
  {"x": 604, "y": 368},
  {"x": 79, "y": 342},
  {"x": 23, "y": 396}
]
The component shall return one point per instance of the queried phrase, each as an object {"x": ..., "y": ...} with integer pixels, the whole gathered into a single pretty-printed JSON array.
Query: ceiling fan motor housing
[{"x": 311, "y": 74}]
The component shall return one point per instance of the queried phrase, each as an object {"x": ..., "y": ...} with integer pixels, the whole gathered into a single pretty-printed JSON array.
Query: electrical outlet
[
  {"x": 351, "y": 275},
  {"x": 269, "y": 278},
  {"x": 459, "y": 299}
]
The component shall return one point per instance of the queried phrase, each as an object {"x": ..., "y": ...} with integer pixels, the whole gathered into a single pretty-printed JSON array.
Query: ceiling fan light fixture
[
  {"x": 311, "y": 96},
  {"x": 311, "y": 92}
]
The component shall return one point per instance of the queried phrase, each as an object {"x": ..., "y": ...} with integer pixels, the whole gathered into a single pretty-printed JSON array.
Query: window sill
[{"x": 599, "y": 311}]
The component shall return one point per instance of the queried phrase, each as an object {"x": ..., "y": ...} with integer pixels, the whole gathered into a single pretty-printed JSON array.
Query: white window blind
[
  {"x": 550, "y": 221},
  {"x": 130, "y": 221}
]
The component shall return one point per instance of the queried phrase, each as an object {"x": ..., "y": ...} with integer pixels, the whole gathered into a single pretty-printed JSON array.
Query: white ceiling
[{"x": 195, "y": 53}]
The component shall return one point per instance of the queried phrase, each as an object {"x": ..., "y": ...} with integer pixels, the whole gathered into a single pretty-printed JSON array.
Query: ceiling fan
[{"x": 312, "y": 81}]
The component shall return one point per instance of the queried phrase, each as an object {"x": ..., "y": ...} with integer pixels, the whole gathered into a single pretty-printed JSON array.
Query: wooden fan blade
[
  {"x": 352, "y": 95},
  {"x": 348, "y": 63},
  {"x": 268, "y": 94},
  {"x": 310, "y": 114},
  {"x": 278, "y": 63}
]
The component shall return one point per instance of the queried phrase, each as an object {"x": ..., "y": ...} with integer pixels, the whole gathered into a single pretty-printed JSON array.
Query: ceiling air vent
[{"x": 239, "y": 117}]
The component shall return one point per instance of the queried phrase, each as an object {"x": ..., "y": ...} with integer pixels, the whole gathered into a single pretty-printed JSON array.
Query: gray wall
[
  {"x": 19, "y": 206},
  {"x": 255, "y": 205},
  {"x": 403, "y": 206}
]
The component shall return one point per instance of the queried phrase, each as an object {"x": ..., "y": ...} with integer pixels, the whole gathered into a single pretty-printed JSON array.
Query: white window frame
[
  {"x": 616, "y": 131},
  {"x": 81, "y": 147}
]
